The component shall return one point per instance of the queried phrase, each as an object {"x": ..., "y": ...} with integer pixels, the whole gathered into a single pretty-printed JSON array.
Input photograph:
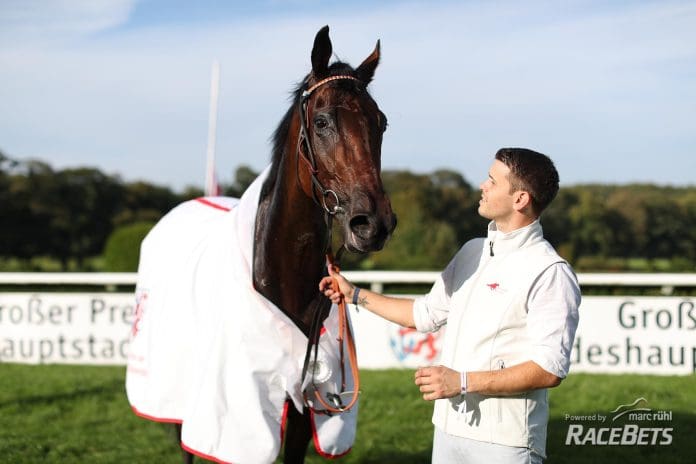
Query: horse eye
[{"x": 321, "y": 123}]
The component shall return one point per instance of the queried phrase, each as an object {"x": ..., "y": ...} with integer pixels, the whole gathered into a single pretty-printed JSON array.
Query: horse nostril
[{"x": 360, "y": 225}]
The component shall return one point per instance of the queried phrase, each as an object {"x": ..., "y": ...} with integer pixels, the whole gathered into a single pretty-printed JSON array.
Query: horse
[{"x": 325, "y": 167}]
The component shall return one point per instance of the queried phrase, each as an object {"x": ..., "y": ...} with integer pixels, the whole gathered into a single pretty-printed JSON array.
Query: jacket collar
[{"x": 504, "y": 243}]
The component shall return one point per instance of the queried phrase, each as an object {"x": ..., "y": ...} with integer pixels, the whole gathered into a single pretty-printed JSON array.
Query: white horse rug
[{"x": 209, "y": 351}]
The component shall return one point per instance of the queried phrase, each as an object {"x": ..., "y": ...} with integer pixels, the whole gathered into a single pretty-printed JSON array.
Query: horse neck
[{"x": 289, "y": 245}]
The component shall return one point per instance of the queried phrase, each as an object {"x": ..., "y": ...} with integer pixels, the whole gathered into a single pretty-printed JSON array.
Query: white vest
[{"x": 487, "y": 330}]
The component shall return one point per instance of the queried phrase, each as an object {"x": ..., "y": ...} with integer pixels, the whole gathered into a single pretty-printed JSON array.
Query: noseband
[{"x": 307, "y": 155}]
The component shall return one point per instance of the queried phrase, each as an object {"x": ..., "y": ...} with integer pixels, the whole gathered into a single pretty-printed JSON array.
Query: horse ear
[
  {"x": 366, "y": 70},
  {"x": 321, "y": 52}
]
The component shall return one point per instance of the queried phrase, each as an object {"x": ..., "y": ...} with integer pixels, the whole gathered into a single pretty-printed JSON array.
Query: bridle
[
  {"x": 307, "y": 155},
  {"x": 305, "y": 152}
]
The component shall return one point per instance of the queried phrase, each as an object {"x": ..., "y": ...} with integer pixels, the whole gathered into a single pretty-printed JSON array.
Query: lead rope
[{"x": 344, "y": 334}]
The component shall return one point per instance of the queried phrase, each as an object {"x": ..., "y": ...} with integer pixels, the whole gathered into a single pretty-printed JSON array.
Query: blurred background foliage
[{"x": 81, "y": 219}]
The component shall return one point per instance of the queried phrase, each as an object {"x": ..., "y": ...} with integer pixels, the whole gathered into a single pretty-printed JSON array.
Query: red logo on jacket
[{"x": 493, "y": 286}]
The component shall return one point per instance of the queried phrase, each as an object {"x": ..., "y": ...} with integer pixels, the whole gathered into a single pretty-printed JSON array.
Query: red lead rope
[{"x": 344, "y": 333}]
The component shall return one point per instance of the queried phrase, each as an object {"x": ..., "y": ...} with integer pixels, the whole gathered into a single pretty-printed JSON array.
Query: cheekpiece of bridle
[{"x": 307, "y": 154}]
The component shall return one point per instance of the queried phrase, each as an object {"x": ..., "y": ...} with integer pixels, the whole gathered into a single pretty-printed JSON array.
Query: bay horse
[{"x": 325, "y": 167}]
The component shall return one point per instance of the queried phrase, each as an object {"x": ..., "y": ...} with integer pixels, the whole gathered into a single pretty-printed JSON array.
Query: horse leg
[
  {"x": 188, "y": 457},
  {"x": 297, "y": 434}
]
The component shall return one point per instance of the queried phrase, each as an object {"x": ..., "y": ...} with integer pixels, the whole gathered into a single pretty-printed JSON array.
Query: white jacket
[{"x": 482, "y": 296}]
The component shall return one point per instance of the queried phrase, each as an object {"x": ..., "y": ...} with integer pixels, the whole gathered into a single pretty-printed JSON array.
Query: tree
[
  {"x": 82, "y": 203},
  {"x": 555, "y": 223},
  {"x": 243, "y": 177},
  {"x": 434, "y": 219},
  {"x": 451, "y": 199},
  {"x": 122, "y": 249},
  {"x": 145, "y": 202},
  {"x": 26, "y": 220},
  {"x": 68, "y": 215}
]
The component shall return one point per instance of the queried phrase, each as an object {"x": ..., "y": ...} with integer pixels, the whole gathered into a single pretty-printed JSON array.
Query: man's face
[{"x": 496, "y": 200}]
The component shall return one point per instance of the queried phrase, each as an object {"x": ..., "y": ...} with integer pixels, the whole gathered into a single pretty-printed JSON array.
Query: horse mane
[{"x": 280, "y": 135}]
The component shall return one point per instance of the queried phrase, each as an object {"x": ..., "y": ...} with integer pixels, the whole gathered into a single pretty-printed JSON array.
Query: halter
[{"x": 335, "y": 403}]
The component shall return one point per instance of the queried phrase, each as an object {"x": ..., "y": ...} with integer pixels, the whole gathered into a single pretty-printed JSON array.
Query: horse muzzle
[{"x": 369, "y": 231}]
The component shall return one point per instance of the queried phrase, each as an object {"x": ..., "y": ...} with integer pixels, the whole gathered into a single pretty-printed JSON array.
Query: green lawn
[{"x": 68, "y": 414}]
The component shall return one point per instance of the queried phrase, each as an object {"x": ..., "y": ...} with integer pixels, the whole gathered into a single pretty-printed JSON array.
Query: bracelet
[
  {"x": 356, "y": 292},
  {"x": 462, "y": 376}
]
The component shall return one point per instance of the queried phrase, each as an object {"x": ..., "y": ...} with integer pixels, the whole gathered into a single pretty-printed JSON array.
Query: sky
[{"x": 606, "y": 89}]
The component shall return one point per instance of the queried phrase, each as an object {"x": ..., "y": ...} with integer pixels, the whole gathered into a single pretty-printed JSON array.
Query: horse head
[
  {"x": 325, "y": 171},
  {"x": 340, "y": 144}
]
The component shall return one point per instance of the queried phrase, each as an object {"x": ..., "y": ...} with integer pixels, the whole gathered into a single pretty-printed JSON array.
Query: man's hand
[
  {"x": 397, "y": 310},
  {"x": 438, "y": 382},
  {"x": 345, "y": 288}
]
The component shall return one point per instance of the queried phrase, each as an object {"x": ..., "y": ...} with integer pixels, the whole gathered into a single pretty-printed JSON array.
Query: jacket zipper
[
  {"x": 501, "y": 366},
  {"x": 456, "y": 338},
  {"x": 491, "y": 247}
]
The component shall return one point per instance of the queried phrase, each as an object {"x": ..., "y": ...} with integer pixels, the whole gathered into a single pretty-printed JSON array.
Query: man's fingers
[
  {"x": 426, "y": 388},
  {"x": 432, "y": 382},
  {"x": 424, "y": 372},
  {"x": 326, "y": 288},
  {"x": 432, "y": 392}
]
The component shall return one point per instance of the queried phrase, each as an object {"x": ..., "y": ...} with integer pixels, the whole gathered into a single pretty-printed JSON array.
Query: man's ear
[{"x": 522, "y": 201}]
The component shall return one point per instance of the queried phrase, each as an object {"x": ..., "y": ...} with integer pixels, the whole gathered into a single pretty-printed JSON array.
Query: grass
[{"x": 69, "y": 414}]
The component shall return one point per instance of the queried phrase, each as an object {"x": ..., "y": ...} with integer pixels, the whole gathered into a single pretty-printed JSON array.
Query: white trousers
[{"x": 450, "y": 449}]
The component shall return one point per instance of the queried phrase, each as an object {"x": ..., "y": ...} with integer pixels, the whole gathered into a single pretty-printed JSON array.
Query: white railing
[
  {"x": 376, "y": 279},
  {"x": 67, "y": 278}
]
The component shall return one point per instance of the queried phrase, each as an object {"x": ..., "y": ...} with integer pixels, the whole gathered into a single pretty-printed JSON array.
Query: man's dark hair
[{"x": 532, "y": 172}]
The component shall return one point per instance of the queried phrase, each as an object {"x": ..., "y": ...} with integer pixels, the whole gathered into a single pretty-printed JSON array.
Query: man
[{"x": 511, "y": 307}]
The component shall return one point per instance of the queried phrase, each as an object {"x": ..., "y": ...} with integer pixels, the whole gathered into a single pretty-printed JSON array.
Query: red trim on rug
[
  {"x": 284, "y": 421},
  {"x": 317, "y": 446},
  {"x": 207, "y": 202},
  {"x": 179, "y": 421},
  {"x": 203, "y": 455},
  {"x": 153, "y": 418}
]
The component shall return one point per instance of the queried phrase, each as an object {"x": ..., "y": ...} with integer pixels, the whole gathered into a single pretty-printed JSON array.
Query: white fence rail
[{"x": 376, "y": 279}]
